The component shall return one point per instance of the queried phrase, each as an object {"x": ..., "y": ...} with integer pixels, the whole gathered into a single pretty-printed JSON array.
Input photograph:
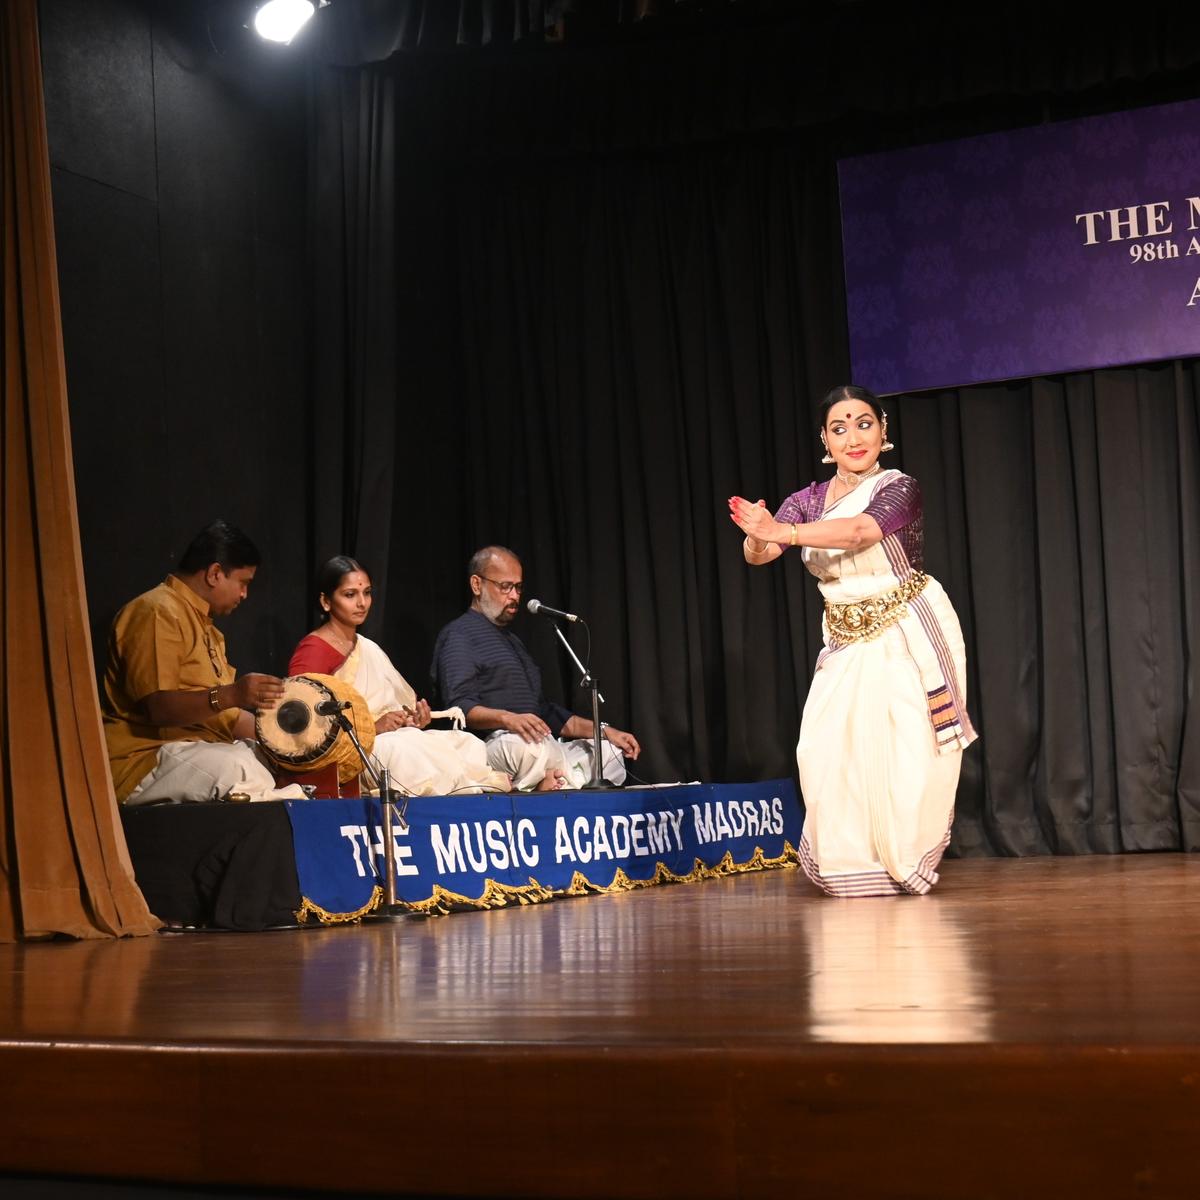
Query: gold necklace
[
  {"x": 213, "y": 657},
  {"x": 344, "y": 647}
]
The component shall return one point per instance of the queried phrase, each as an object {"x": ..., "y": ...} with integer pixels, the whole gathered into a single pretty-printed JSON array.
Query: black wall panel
[
  {"x": 97, "y": 66},
  {"x": 179, "y": 175},
  {"x": 115, "y": 373}
]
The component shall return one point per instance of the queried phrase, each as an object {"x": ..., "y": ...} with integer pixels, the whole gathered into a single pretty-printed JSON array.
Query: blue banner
[{"x": 487, "y": 851}]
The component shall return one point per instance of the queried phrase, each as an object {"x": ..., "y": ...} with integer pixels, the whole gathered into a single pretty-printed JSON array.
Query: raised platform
[{"x": 1030, "y": 1029}]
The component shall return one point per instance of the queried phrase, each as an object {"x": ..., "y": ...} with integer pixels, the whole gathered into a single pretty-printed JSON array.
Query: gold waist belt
[{"x": 866, "y": 619}]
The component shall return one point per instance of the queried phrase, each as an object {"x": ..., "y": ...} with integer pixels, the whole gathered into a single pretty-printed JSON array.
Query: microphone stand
[
  {"x": 389, "y": 910},
  {"x": 587, "y": 680}
]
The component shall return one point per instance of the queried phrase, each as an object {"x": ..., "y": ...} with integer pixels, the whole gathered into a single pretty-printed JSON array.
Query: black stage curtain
[{"x": 597, "y": 327}]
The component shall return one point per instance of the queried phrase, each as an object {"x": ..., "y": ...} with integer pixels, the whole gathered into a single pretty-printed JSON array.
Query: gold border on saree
[{"x": 867, "y": 619}]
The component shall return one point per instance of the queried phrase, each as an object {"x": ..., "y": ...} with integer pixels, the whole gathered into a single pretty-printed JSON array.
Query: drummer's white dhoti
[{"x": 190, "y": 772}]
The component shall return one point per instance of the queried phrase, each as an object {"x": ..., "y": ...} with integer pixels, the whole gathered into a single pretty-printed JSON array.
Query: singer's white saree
[{"x": 422, "y": 762}]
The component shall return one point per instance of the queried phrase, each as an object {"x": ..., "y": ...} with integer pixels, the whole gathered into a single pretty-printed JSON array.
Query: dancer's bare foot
[{"x": 552, "y": 781}]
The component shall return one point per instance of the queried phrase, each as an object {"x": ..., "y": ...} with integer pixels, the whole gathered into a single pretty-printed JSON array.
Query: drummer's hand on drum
[
  {"x": 255, "y": 691},
  {"x": 528, "y": 726}
]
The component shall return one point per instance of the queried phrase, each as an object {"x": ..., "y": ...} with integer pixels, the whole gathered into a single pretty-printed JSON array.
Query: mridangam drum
[{"x": 298, "y": 738}]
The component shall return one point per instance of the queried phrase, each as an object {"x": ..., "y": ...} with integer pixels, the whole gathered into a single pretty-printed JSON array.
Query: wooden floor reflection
[{"x": 1047, "y": 969}]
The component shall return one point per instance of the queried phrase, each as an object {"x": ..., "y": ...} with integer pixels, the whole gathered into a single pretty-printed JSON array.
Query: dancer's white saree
[{"x": 885, "y": 722}]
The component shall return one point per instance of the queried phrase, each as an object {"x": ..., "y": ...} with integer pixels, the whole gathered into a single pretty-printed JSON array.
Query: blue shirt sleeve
[{"x": 454, "y": 673}]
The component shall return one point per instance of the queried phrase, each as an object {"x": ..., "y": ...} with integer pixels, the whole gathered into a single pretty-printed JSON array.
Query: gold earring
[
  {"x": 886, "y": 444},
  {"x": 828, "y": 457}
]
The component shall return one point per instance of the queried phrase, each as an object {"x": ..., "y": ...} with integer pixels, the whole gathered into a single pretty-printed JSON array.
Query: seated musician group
[{"x": 179, "y": 720}]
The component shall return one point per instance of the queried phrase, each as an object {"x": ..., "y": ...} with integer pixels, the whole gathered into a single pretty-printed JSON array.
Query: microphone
[
  {"x": 539, "y": 609},
  {"x": 331, "y": 708}
]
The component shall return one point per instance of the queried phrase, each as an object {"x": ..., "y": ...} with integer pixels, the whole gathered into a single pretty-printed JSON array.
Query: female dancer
[
  {"x": 421, "y": 761},
  {"x": 885, "y": 722}
]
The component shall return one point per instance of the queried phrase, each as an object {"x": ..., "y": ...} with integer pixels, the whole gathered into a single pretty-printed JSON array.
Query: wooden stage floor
[{"x": 1032, "y": 1028}]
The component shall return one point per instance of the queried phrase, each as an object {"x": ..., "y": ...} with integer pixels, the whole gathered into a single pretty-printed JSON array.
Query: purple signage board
[{"x": 1064, "y": 247}]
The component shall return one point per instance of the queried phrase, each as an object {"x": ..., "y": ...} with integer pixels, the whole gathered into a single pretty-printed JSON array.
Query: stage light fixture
[{"x": 281, "y": 20}]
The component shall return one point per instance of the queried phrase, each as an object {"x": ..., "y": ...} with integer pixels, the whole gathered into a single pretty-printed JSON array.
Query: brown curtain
[{"x": 64, "y": 867}]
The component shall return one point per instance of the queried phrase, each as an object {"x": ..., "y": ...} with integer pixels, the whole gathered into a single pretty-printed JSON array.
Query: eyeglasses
[{"x": 507, "y": 587}]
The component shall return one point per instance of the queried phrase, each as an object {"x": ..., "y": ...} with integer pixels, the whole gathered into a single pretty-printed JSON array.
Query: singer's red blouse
[{"x": 315, "y": 654}]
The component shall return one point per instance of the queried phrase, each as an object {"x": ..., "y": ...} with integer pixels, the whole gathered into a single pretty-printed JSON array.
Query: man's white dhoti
[
  {"x": 199, "y": 771},
  {"x": 529, "y": 762}
]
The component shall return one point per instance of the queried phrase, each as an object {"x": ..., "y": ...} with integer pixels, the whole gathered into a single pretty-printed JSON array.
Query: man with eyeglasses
[{"x": 482, "y": 667}]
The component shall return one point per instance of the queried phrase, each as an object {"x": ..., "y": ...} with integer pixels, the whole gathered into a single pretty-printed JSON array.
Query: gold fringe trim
[
  {"x": 580, "y": 885},
  {"x": 495, "y": 895},
  {"x": 442, "y": 901},
  {"x": 310, "y": 908}
]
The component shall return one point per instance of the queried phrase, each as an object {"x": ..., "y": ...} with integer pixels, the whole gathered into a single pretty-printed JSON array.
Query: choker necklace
[{"x": 850, "y": 480}]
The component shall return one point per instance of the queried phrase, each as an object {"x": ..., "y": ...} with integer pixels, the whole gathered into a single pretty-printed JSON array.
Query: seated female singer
[{"x": 421, "y": 761}]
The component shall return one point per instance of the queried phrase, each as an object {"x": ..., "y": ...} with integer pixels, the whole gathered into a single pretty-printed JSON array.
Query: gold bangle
[
  {"x": 792, "y": 539},
  {"x": 751, "y": 550},
  {"x": 213, "y": 702}
]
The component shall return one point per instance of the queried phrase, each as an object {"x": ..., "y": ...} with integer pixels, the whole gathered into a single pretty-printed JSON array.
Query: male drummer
[
  {"x": 174, "y": 708},
  {"x": 482, "y": 667}
]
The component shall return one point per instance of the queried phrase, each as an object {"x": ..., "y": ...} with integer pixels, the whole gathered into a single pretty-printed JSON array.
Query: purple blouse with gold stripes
[{"x": 896, "y": 507}]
